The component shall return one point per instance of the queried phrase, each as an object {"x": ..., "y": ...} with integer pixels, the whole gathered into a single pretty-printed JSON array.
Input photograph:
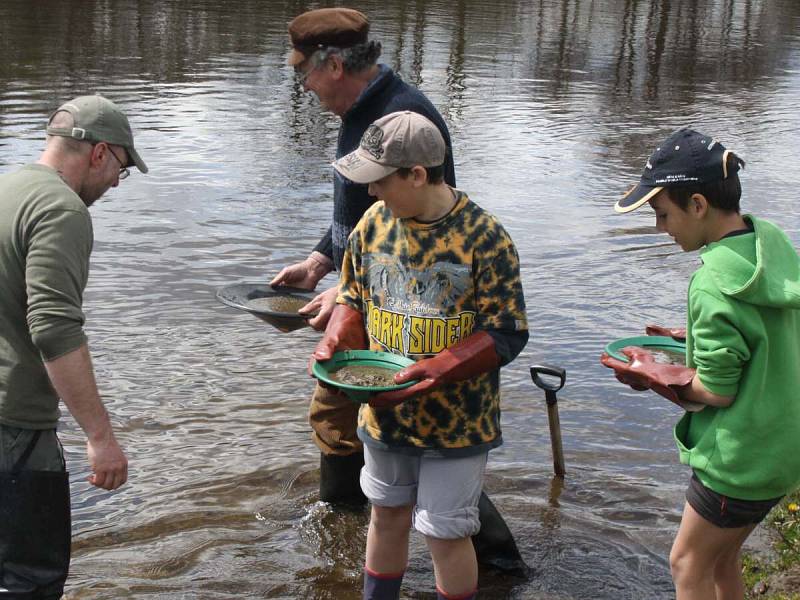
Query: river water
[{"x": 553, "y": 107}]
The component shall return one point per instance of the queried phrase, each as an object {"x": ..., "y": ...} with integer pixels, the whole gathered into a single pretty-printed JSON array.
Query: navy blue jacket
[{"x": 385, "y": 94}]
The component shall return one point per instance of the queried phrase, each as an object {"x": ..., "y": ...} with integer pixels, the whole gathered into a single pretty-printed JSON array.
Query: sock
[
  {"x": 382, "y": 586},
  {"x": 440, "y": 595}
]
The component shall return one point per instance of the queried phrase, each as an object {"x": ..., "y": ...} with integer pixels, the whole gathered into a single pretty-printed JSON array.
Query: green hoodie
[{"x": 743, "y": 337}]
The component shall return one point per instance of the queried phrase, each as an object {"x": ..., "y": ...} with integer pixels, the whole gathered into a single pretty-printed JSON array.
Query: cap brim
[
  {"x": 295, "y": 57},
  {"x": 136, "y": 159},
  {"x": 358, "y": 168},
  {"x": 635, "y": 197}
]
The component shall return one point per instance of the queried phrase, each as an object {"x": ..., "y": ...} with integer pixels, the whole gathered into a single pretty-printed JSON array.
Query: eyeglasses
[
  {"x": 123, "y": 170},
  {"x": 317, "y": 59},
  {"x": 301, "y": 75}
]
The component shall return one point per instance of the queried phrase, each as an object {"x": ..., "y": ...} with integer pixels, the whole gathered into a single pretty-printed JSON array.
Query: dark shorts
[{"x": 725, "y": 512}]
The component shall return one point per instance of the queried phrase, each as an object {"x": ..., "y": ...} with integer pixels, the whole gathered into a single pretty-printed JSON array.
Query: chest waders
[{"x": 34, "y": 531}]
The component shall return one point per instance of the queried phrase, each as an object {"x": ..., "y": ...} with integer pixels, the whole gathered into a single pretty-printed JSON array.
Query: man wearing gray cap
[{"x": 45, "y": 242}]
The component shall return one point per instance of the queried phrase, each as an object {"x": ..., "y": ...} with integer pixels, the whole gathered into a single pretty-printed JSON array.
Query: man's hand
[
  {"x": 323, "y": 304},
  {"x": 306, "y": 274},
  {"x": 468, "y": 358},
  {"x": 676, "y": 333},
  {"x": 643, "y": 372},
  {"x": 108, "y": 463}
]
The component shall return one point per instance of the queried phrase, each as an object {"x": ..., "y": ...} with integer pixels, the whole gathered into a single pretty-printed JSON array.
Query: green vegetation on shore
[{"x": 779, "y": 578}]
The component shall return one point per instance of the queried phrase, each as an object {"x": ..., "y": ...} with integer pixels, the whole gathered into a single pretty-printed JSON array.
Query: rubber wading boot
[
  {"x": 494, "y": 544},
  {"x": 339, "y": 479}
]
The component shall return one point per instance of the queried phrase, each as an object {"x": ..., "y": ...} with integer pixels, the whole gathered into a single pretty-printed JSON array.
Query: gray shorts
[{"x": 443, "y": 491}]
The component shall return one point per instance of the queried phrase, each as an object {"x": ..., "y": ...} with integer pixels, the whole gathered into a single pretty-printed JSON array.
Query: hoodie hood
[{"x": 761, "y": 268}]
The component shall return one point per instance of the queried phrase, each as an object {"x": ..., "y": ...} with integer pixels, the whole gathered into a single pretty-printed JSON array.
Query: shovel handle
[
  {"x": 550, "y": 390},
  {"x": 538, "y": 370}
]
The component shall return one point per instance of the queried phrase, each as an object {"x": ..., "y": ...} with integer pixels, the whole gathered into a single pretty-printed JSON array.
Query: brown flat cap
[{"x": 339, "y": 27}]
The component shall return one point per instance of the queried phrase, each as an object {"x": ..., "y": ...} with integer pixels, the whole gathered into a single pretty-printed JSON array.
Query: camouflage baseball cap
[
  {"x": 399, "y": 140},
  {"x": 98, "y": 119}
]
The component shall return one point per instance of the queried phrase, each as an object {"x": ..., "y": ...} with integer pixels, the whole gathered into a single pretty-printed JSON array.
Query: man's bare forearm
[{"x": 73, "y": 378}]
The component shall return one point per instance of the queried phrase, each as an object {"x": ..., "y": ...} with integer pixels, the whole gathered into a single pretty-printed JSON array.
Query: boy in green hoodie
[{"x": 741, "y": 385}]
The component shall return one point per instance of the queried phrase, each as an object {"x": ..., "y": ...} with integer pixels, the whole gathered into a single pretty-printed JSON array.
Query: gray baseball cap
[
  {"x": 98, "y": 119},
  {"x": 398, "y": 140}
]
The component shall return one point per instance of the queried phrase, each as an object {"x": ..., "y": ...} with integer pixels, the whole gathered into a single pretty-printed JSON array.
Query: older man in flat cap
[
  {"x": 45, "y": 242},
  {"x": 334, "y": 58}
]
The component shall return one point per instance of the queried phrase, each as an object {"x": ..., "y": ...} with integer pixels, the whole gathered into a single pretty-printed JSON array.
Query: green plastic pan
[
  {"x": 661, "y": 345},
  {"x": 326, "y": 371}
]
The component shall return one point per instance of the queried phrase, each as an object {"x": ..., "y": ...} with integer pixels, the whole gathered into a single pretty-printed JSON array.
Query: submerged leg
[
  {"x": 382, "y": 586},
  {"x": 494, "y": 544},
  {"x": 333, "y": 418},
  {"x": 339, "y": 479}
]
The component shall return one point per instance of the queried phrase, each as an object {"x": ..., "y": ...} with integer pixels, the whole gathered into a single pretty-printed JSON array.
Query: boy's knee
[
  {"x": 387, "y": 518},
  {"x": 682, "y": 564},
  {"x": 677, "y": 559}
]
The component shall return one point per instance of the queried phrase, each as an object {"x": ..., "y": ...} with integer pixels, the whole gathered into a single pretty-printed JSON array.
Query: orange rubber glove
[
  {"x": 676, "y": 333},
  {"x": 471, "y": 356},
  {"x": 345, "y": 331},
  {"x": 642, "y": 373}
]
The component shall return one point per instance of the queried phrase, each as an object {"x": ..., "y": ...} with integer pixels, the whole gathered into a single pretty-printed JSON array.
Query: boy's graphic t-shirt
[{"x": 422, "y": 288}]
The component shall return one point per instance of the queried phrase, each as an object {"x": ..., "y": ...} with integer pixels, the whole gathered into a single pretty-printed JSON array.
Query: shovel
[{"x": 550, "y": 390}]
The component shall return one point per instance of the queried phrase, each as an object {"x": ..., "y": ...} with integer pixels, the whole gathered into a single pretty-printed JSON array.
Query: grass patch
[{"x": 762, "y": 579}]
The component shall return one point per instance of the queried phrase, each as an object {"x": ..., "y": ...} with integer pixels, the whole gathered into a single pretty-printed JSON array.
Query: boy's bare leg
[
  {"x": 728, "y": 570},
  {"x": 454, "y": 564},
  {"x": 705, "y": 559},
  {"x": 387, "y": 539}
]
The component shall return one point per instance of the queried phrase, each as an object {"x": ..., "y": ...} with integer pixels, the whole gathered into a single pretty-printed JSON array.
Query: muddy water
[{"x": 553, "y": 106}]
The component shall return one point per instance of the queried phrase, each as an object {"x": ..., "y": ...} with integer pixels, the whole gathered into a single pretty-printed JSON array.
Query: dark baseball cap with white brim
[{"x": 686, "y": 157}]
